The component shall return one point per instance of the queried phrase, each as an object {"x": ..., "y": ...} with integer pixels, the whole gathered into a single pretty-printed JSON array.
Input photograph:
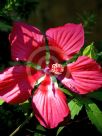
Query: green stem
[
  {"x": 22, "y": 125},
  {"x": 47, "y": 51}
]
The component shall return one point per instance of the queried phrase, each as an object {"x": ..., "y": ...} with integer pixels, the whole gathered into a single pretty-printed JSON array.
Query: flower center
[{"x": 57, "y": 69}]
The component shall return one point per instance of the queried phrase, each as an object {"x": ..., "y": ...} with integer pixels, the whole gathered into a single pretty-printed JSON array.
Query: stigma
[{"x": 57, "y": 69}]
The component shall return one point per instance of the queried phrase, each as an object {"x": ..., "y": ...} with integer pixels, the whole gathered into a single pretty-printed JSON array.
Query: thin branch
[{"x": 21, "y": 126}]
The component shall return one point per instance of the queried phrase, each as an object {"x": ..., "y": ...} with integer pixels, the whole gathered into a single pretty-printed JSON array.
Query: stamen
[{"x": 57, "y": 69}]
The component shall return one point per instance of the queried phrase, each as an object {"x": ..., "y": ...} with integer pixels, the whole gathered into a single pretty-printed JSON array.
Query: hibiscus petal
[
  {"x": 15, "y": 86},
  {"x": 49, "y": 104},
  {"x": 24, "y": 40},
  {"x": 84, "y": 63},
  {"x": 66, "y": 40},
  {"x": 85, "y": 76}
]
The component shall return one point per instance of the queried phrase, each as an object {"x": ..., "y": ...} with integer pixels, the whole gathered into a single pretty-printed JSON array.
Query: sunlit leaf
[
  {"x": 94, "y": 114},
  {"x": 1, "y": 101},
  {"x": 66, "y": 91},
  {"x": 59, "y": 130},
  {"x": 75, "y": 106},
  {"x": 90, "y": 51}
]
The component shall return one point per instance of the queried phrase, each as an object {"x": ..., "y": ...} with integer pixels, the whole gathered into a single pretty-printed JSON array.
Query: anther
[{"x": 57, "y": 69}]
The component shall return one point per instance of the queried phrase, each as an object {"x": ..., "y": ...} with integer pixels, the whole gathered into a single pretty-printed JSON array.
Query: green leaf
[
  {"x": 39, "y": 127},
  {"x": 33, "y": 65},
  {"x": 1, "y": 101},
  {"x": 38, "y": 134},
  {"x": 2, "y": 68},
  {"x": 96, "y": 95},
  {"x": 66, "y": 91},
  {"x": 59, "y": 130},
  {"x": 39, "y": 131},
  {"x": 75, "y": 106},
  {"x": 90, "y": 51},
  {"x": 4, "y": 26},
  {"x": 94, "y": 114},
  {"x": 25, "y": 107}
]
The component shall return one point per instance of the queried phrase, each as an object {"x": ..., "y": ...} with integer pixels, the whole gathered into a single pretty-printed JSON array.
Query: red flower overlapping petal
[
  {"x": 67, "y": 40},
  {"x": 85, "y": 76},
  {"x": 49, "y": 104},
  {"x": 15, "y": 85}
]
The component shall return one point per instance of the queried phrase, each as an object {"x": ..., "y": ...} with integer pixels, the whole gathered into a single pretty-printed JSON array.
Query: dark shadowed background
[{"x": 51, "y": 13}]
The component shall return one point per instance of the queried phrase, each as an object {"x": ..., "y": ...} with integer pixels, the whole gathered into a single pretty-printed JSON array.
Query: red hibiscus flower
[{"x": 29, "y": 44}]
